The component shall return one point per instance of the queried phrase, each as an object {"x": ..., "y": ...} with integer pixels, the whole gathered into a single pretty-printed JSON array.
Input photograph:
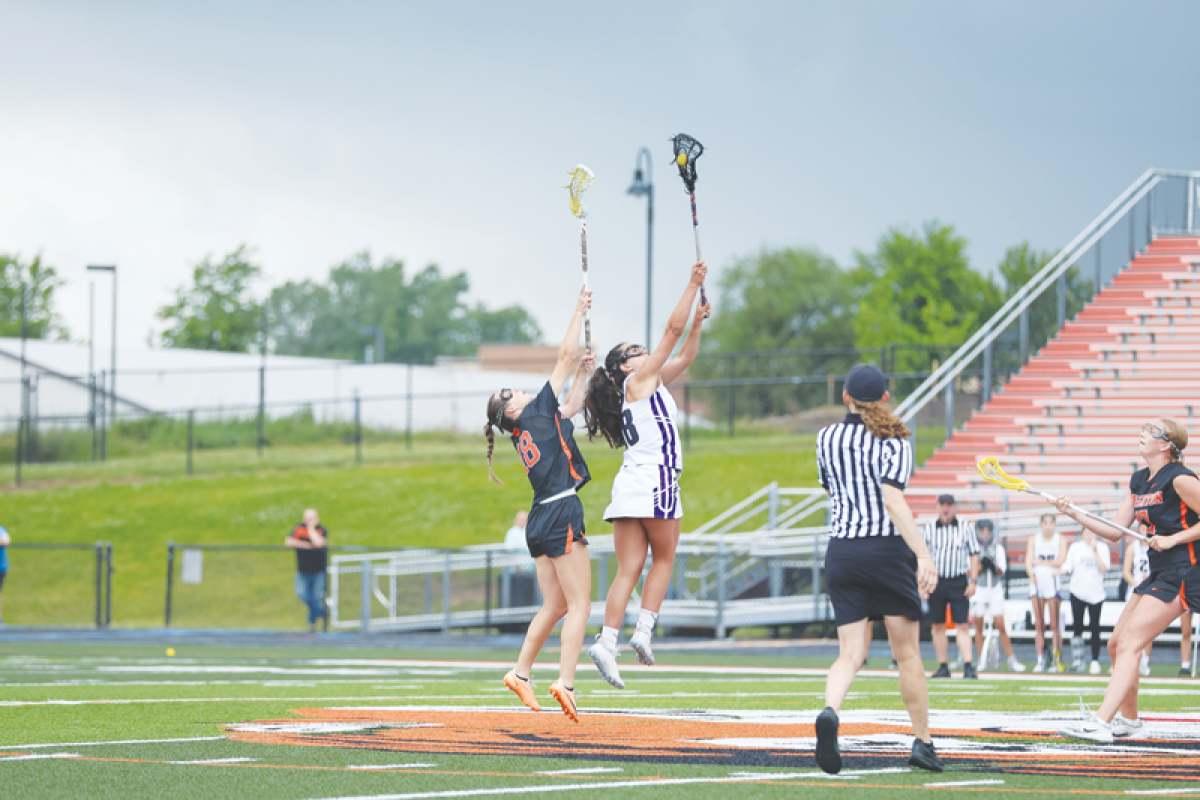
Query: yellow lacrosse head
[
  {"x": 990, "y": 469},
  {"x": 581, "y": 179}
]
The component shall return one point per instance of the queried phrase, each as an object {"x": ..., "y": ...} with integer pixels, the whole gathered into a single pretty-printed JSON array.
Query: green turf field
[{"x": 306, "y": 722}]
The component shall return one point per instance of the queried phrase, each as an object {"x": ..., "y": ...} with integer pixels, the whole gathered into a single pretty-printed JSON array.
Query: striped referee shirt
[
  {"x": 952, "y": 546},
  {"x": 853, "y": 465}
]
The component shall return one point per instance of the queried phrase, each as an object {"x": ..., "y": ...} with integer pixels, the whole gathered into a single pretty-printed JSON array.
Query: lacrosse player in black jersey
[
  {"x": 543, "y": 435},
  {"x": 1163, "y": 496}
]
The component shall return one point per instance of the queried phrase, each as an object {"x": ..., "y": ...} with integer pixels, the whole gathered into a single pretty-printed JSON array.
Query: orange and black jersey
[
  {"x": 546, "y": 444},
  {"x": 1162, "y": 511}
]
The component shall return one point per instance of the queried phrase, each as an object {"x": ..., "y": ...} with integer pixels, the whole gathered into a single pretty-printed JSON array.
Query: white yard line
[
  {"x": 6, "y": 703},
  {"x": 38, "y": 756},
  {"x": 215, "y": 761},
  {"x": 391, "y": 766},
  {"x": 119, "y": 741},
  {"x": 962, "y": 783},
  {"x": 581, "y": 771},
  {"x": 1161, "y": 791},
  {"x": 638, "y": 784}
]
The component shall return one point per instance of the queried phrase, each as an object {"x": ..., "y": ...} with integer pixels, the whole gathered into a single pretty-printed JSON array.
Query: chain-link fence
[
  {"x": 235, "y": 586},
  {"x": 58, "y": 585}
]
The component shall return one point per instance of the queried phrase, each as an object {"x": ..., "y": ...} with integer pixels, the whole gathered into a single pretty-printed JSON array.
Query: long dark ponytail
[
  {"x": 605, "y": 395},
  {"x": 496, "y": 418}
]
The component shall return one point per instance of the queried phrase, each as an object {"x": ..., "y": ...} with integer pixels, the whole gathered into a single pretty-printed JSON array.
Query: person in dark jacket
[{"x": 308, "y": 539}]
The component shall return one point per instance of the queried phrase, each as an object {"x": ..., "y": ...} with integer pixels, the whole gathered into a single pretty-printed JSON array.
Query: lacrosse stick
[
  {"x": 687, "y": 150},
  {"x": 581, "y": 179},
  {"x": 990, "y": 469}
]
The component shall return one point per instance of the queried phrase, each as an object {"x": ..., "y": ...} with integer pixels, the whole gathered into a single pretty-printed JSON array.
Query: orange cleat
[
  {"x": 523, "y": 689},
  {"x": 566, "y": 698}
]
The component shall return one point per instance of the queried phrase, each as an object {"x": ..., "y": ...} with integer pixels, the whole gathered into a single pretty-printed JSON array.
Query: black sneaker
[
  {"x": 828, "y": 757},
  {"x": 893, "y": 665},
  {"x": 1184, "y": 672},
  {"x": 969, "y": 671},
  {"x": 942, "y": 672},
  {"x": 925, "y": 757}
]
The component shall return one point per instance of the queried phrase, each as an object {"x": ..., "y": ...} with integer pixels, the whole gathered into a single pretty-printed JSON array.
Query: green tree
[
  {"x": 920, "y": 291},
  {"x": 784, "y": 299},
  {"x": 40, "y": 281},
  {"x": 216, "y": 312},
  {"x": 1021, "y": 262},
  {"x": 508, "y": 325},
  {"x": 422, "y": 316}
]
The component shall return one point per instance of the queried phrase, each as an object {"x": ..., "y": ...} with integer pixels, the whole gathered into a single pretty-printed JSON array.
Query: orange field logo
[{"x": 1012, "y": 743}]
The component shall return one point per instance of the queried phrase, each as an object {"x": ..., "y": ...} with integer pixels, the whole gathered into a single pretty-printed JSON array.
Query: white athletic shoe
[
  {"x": 606, "y": 662},
  {"x": 1144, "y": 667},
  {"x": 1015, "y": 666},
  {"x": 1093, "y": 729},
  {"x": 1094, "y": 669},
  {"x": 1122, "y": 727},
  {"x": 1040, "y": 666},
  {"x": 640, "y": 644}
]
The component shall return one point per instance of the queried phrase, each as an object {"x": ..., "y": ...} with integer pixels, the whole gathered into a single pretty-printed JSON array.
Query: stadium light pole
[
  {"x": 643, "y": 184},
  {"x": 113, "y": 374}
]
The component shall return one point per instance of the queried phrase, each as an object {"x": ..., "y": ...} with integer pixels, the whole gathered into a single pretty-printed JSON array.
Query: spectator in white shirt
[{"x": 1087, "y": 561}]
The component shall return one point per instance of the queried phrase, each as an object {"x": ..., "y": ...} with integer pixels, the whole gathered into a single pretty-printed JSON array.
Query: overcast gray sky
[{"x": 150, "y": 134}]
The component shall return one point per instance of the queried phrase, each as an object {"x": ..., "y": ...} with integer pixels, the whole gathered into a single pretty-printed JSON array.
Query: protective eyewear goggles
[
  {"x": 505, "y": 396},
  {"x": 632, "y": 351},
  {"x": 1156, "y": 432}
]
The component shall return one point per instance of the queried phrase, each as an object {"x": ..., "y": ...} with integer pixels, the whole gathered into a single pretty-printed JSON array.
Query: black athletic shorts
[
  {"x": 871, "y": 578},
  {"x": 949, "y": 592},
  {"x": 1167, "y": 584},
  {"x": 2, "y": 574},
  {"x": 554, "y": 527}
]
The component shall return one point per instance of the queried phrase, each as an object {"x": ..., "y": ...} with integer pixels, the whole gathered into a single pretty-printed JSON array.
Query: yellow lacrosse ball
[
  {"x": 681, "y": 159},
  {"x": 170, "y": 651}
]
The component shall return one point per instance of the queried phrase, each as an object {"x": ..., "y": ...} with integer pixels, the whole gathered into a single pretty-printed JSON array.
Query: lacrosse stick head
[
  {"x": 581, "y": 179},
  {"x": 990, "y": 469},
  {"x": 687, "y": 151}
]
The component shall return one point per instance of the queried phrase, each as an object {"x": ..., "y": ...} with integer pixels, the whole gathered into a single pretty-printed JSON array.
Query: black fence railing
[{"x": 59, "y": 585}]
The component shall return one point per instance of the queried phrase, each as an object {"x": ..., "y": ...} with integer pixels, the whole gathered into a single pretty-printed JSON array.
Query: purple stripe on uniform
[
  {"x": 659, "y": 510},
  {"x": 668, "y": 430}
]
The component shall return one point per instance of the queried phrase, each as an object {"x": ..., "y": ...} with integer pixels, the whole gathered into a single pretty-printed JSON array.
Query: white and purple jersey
[{"x": 647, "y": 486}]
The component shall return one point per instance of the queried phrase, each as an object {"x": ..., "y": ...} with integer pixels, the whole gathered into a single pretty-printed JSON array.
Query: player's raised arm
[
  {"x": 645, "y": 381},
  {"x": 568, "y": 351}
]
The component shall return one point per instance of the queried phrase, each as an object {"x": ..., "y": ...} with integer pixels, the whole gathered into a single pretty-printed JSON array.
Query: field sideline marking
[
  {"x": 947, "y": 784},
  {"x": 580, "y": 771},
  {"x": 120, "y": 741}
]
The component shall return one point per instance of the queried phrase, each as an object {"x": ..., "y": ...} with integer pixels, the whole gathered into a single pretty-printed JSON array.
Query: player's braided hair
[
  {"x": 880, "y": 420},
  {"x": 605, "y": 395},
  {"x": 498, "y": 419}
]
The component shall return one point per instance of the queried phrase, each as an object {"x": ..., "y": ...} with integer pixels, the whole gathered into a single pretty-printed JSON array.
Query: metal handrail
[{"x": 1032, "y": 290}]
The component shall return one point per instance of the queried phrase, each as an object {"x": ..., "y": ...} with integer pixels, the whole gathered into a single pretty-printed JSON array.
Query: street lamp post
[
  {"x": 643, "y": 184},
  {"x": 377, "y": 330},
  {"x": 112, "y": 378}
]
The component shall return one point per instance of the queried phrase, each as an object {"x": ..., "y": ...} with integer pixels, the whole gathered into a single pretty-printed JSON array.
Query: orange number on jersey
[
  {"x": 1143, "y": 517},
  {"x": 529, "y": 451}
]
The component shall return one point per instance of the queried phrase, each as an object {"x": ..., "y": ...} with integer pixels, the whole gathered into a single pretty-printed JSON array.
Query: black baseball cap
[
  {"x": 946, "y": 498},
  {"x": 865, "y": 382}
]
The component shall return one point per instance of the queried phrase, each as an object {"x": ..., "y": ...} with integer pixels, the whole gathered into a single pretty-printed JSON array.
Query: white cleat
[
  {"x": 606, "y": 661},
  {"x": 1015, "y": 666},
  {"x": 640, "y": 643},
  {"x": 1094, "y": 669},
  {"x": 1093, "y": 729},
  {"x": 1131, "y": 728}
]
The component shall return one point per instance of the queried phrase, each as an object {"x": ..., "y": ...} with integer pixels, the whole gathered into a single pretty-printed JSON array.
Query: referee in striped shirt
[
  {"x": 955, "y": 547},
  {"x": 877, "y": 566}
]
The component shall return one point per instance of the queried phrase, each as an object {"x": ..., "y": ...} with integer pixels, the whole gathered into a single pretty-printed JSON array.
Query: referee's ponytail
[{"x": 880, "y": 420}]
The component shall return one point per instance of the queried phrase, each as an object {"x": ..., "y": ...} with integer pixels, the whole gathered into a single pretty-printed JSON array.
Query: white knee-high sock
[{"x": 608, "y": 637}]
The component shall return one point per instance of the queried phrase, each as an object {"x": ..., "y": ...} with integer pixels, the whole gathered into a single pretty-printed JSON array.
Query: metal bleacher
[{"x": 1069, "y": 420}]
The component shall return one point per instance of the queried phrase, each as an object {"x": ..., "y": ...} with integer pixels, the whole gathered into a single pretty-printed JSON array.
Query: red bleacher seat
[{"x": 1068, "y": 421}]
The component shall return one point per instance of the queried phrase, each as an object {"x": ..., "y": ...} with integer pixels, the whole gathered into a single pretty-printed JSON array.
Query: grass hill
[{"x": 438, "y": 495}]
